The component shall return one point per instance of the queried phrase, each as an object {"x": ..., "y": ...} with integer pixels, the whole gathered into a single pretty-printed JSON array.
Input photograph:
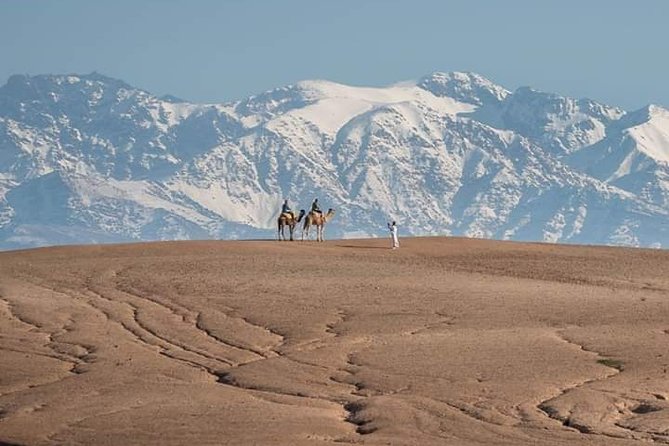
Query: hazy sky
[{"x": 614, "y": 51}]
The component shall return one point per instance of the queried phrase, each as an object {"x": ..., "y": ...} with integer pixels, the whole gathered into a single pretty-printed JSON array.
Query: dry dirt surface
[{"x": 446, "y": 341}]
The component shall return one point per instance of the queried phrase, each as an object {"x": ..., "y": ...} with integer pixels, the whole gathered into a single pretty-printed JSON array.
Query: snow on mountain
[
  {"x": 469, "y": 88},
  {"x": 634, "y": 155},
  {"x": 561, "y": 125},
  {"x": 86, "y": 158},
  {"x": 651, "y": 132}
]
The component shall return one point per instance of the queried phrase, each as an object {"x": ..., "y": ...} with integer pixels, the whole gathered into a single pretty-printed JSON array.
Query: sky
[{"x": 613, "y": 51}]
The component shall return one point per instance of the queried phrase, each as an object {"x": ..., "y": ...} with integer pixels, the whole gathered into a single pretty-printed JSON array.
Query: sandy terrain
[{"x": 446, "y": 341}]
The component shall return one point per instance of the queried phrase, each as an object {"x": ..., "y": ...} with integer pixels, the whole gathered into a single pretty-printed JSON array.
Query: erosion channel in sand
[{"x": 446, "y": 341}]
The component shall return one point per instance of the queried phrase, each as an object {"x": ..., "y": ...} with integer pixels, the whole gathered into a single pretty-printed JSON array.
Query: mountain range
[{"x": 89, "y": 159}]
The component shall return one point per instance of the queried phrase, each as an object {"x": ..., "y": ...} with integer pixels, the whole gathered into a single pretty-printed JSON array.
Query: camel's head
[
  {"x": 330, "y": 213},
  {"x": 299, "y": 217}
]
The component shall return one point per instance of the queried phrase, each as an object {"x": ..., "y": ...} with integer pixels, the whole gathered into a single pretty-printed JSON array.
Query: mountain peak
[
  {"x": 558, "y": 105},
  {"x": 655, "y": 110},
  {"x": 643, "y": 115},
  {"x": 63, "y": 79},
  {"x": 172, "y": 99},
  {"x": 649, "y": 128},
  {"x": 463, "y": 86},
  {"x": 24, "y": 88}
]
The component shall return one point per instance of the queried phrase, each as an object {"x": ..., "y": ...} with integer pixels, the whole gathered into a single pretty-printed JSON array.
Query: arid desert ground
[{"x": 446, "y": 341}]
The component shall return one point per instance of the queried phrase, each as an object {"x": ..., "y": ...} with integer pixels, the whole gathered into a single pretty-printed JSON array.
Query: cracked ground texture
[{"x": 447, "y": 341}]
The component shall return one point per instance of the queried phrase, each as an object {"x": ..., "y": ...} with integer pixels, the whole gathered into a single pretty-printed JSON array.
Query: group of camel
[{"x": 290, "y": 221}]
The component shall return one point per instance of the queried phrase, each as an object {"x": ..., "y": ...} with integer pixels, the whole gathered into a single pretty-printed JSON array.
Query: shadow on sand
[{"x": 362, "y": 247}]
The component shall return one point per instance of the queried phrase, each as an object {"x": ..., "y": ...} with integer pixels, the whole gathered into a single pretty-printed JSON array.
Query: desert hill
[{"x": 446, "y": 341}]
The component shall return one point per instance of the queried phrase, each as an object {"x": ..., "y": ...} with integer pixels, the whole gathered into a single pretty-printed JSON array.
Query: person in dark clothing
[
  {"x": 285, "y": 209},
  {"x": 315, "y": 207}
]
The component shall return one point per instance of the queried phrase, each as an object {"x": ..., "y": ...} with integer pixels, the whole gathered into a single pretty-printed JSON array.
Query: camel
[
  {"x": 287, "y": 219},
  {"x": 318, "y": 220}
]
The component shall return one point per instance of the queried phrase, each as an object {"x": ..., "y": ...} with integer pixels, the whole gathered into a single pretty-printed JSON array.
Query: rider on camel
[
  {"x": 315, "y": 207},
  {"x": 285, "y": 209}
]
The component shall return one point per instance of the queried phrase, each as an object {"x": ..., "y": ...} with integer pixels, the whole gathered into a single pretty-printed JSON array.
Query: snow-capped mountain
[
  {"x": 633, "y": 156},
  {"x": 86, "y": 158}
]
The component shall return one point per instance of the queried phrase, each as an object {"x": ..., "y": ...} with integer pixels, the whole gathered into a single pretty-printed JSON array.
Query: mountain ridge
[{"x": 449, "y": 153}]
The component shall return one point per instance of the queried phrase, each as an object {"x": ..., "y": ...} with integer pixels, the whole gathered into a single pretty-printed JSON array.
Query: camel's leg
[
  {"x": 278, "y": 233},
  {"x": 291, "y": 229}
]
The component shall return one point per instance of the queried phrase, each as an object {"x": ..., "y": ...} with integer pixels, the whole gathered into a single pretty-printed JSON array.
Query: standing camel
[
  {"x": 318, "y": 220},
  {"x": 288, "y": 219}
]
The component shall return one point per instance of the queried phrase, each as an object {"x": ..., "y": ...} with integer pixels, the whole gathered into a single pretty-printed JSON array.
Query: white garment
[{"x": 393, "y": 236}]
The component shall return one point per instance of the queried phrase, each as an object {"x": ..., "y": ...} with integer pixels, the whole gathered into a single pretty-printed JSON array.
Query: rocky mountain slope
[{"x": 86, "y": 158}]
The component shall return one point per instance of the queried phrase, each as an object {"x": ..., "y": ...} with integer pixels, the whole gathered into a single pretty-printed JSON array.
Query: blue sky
[{"x": 210, "y": 51}]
